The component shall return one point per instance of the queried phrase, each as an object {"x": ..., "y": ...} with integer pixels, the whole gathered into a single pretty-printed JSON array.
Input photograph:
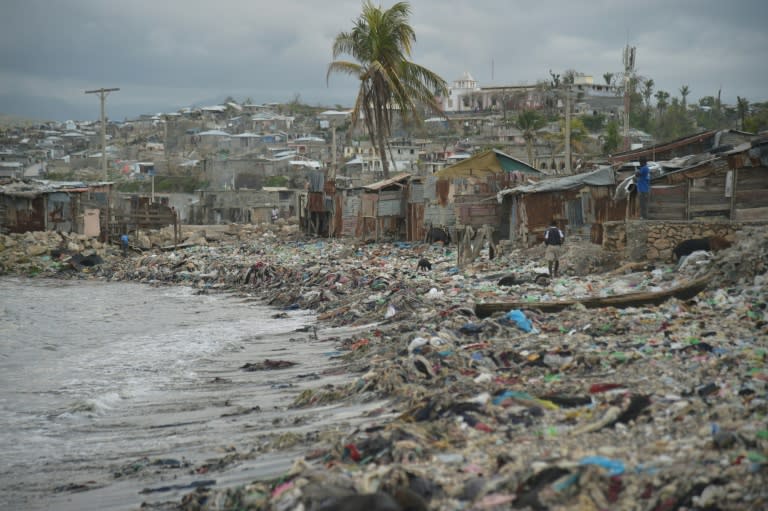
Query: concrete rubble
[{"x": 652, "y": 407}]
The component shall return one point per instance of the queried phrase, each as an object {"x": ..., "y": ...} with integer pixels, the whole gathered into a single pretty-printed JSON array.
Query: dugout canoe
[{"x": 684, "y": 291}]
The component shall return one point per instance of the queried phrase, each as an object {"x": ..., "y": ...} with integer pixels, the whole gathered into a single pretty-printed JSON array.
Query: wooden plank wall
[
  {"x": 668, "y": 202},
  {"x": 707, "y": 197},
  {"x": 751, "y": 194}
]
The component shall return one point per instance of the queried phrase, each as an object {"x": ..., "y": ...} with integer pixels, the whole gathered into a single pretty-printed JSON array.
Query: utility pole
[
  {"x": 166, "y": 155},
  {"x": 103, "y": 96},
  {"x": 629, "y": 69},
  {"x": 568, "y": 169},
  {"x": 332, "y": 173}
]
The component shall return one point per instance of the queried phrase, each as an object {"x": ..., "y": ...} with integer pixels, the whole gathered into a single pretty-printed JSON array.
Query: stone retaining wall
[{"x": 639, "y": 240}]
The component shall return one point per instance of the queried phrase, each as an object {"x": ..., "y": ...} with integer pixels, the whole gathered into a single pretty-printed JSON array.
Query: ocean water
[{"x": 98, "y": 379}]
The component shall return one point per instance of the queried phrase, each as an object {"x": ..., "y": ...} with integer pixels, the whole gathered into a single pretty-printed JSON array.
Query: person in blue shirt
[
  {"x": 643, "y": 183},
  {"x": 124, "y": 244}
]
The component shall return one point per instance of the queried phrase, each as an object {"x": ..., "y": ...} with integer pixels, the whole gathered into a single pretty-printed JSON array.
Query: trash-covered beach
[{"x": 656, "y": 406}]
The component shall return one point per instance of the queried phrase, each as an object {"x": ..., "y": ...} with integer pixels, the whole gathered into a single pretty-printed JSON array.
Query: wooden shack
[
  {"x": 414, "y": 210},
  {"x": 580, "y": 204},
  {"x": 704, "y": 142},
  {"x": 732, "y": 185},
  {"x": 382, "y": 209},
  {"x": 53, "y": 206},
  {"x": 464, "y": 194}
]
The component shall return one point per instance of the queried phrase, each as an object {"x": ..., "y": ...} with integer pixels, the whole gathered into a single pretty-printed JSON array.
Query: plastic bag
[{"x": 522, "y": 322}]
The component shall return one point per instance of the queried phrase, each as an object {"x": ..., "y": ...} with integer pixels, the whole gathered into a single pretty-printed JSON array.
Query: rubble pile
[
  {"x": 654, "y": 407},
  {"x": 41, "y": 251}
]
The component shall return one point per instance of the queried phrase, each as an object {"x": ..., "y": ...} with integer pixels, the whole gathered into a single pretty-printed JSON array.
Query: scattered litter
[{"x": 657, "y": 405}]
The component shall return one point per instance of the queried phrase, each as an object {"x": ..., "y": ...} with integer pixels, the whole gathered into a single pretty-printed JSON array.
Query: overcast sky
[{"x": 169, "y": 54}]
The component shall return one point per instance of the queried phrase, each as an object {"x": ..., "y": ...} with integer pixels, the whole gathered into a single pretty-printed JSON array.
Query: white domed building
[{"x": 463, "y": 95}]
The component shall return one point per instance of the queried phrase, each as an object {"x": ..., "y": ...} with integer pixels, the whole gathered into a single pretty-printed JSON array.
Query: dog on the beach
[
  {"x": 424, "y": 265},
  {"x": 441, "y": 234},
  {"x": 687, "y": 247},
  {"x": 508, "y": 280}
]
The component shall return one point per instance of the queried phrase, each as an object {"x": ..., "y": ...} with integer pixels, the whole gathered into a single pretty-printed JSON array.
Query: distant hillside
[
  {"x": 47, "y": 108},
  {"x": 9, "y": 121}
]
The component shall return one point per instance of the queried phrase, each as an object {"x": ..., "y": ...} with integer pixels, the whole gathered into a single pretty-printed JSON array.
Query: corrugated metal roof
[
  {"x": 37, "y": 188},
  {"x": 658, "y": 148},
  {"x": 604, "y": 176},
  {"x": 486, "y": 163},
  {"x": 403, "y": 176},
  {"x": 214, "y": 133}
]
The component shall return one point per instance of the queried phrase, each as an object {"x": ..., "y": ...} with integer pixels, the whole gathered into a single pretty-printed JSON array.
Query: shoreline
[{"x": 608, "y": 407}]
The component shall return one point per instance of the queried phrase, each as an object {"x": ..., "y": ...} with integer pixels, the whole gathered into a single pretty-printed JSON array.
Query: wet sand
[{"x": 218, "y": 428}]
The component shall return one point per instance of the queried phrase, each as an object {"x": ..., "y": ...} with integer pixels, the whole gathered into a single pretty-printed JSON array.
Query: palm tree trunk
[
  {"x": 568, "y": 169},
  {"x": 382, "y": 153},
  {"x": 529, "y": 148}
]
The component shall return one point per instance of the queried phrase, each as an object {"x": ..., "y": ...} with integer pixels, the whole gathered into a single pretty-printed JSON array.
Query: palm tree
[
  {"x": 608, "y": 77},
  {"x": 380, "y": 42},
  {"x": 661, "y": 101},
  {"x": 684, "y": 92},
  {"x": 529, "y": 123},
  {"x": 612, "y": 138},
  {"x": 578, "y": 141},
  {"x": 648, "y": 92},
  {"x": 742, "y": 105}
]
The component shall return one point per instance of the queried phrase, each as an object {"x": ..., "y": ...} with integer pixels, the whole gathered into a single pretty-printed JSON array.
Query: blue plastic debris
[
  {"x": 614, "y": 467},
  {"x": 518, "y": 317},
  {"x": 471, "y": 329}
]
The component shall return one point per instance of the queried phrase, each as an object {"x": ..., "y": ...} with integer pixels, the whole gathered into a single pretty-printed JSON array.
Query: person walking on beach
[
  {"x": 124, "y": 244},
  {"x": 643, "y": 178},
  {"x": 553, "y": 239}
]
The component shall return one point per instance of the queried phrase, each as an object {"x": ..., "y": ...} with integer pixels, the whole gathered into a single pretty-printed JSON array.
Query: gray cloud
[{"x": 166, "y": 54}]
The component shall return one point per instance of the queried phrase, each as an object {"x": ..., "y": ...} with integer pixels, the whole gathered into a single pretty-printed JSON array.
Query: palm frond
[{"x": 381, "y": 42}]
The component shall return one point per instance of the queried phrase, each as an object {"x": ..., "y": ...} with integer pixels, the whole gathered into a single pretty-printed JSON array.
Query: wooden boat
[{"x": 684, "y": 291}]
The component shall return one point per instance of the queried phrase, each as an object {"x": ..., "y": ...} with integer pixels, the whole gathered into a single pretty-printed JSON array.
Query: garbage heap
[
  {"x": 655, "y": 407},
  {"x": 658, "y": 407}
]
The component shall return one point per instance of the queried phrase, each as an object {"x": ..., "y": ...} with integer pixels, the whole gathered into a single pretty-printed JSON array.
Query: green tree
[
  {"x": 608, "y": 77},
  {"x": 579, "y": 137},
  {"x": 639, "y": 115},
  {"x": 594, "y": 123},
  {"x": 529, "y": 122},
  {"x": 548, "y": 96},
  {"x": 758, "y": 120},
  {"x": 294, "y": 105},
  {"x": 684, "y": 93},
  {"x": 380, "y": 42},
  {"x": 676, "y": 122},
  {"x": 648, "y": 92},
  {"x": 612, "y": 140},
  {"x": 569, "y": 76},
  {"x": 708, "y": 115},
  {"x": 742, "y": 106},
  {"x": 661, "y": 101}
]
